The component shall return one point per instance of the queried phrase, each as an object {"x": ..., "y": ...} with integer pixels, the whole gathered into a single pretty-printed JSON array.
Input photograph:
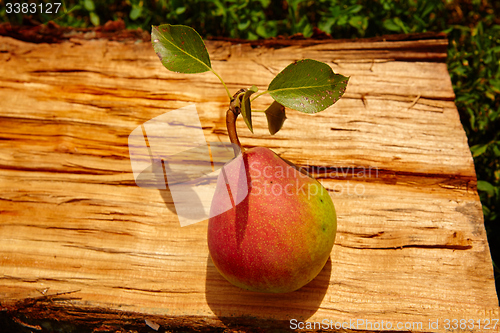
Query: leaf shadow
[{"x": 154, "y": 177}]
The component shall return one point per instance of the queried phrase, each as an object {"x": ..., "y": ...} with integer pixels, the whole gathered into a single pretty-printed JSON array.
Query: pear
[{"x": 278, "y": 235}]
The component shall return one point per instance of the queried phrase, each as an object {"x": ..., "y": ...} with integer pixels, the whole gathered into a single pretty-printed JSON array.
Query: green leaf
[
  {"x": 261, "y": 31},
  {"x": 496, "y": 149},
  {"x": 308, "y": 86},
  {"x": 252, "y": 36},
  {"x": 354, "y": 9},
  {"x": 484, "y": 186},
  {"x": 244, "y": 25},
  {"x": 495, "y": 85},
  {"x": 358, "y": 22},
  {"x": 180, "y": 48},
  {"x": 326, "y": 25},
  {"x": 135, "y": 13},
  {"x": 478, "y": 150},
  {"x": 94, "y": 18},
  {"x": 308, "y": 30},
  {"x": 180, "y": 10},
  {"x": 89, "y": 5},
  {"x": 400, "y": 23},
  {"x": 391, "y": 25},
  {"x": 246, "y": 109},
  {"x": 275, "y": 115}
]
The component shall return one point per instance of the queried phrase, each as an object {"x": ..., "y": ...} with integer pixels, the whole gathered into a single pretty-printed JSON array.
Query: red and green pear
[{"x": 279, "y": 237}]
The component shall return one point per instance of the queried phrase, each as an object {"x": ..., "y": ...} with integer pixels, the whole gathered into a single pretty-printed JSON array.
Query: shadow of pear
[{"x": 236, "y": 307}]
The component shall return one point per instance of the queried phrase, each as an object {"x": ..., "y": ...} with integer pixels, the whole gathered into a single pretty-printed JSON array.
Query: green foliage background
[{"x": 473, "y": 27}]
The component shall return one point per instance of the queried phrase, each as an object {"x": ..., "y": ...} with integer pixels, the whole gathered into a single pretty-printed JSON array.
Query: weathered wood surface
[{"x": 80, "y": 241}]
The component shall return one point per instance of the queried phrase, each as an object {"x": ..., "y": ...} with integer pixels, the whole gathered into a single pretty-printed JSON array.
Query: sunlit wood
[{"x": 80, "y": 241}]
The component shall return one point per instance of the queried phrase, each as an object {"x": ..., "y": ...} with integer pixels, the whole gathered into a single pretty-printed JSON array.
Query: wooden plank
[{"x": 80, "y": 241}]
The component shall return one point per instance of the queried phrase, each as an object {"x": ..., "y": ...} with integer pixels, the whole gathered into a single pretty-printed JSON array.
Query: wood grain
[{"x": 80, "y": 241}]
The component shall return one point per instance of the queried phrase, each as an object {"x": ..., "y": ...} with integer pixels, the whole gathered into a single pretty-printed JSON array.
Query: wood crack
[
  {"x": 162, "y": 291},
  {"x": 418, "y": 246},
  {"x": 360, "y": 173}
]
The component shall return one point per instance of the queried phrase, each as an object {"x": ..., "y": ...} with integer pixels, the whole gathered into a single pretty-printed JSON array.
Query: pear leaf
[
  {"x": 308, "y": 86},
  {"x": 275, "y": 115},
  {"x": 180, "y": 48},
  {"x": 246, "y": 109}
]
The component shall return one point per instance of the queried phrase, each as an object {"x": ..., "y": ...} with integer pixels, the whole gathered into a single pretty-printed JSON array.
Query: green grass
[{"x": 473, "y": 53}]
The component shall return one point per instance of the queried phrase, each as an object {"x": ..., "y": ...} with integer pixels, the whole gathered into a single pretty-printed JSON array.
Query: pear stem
[
  {"x": 231, "y": 130},
  {"x": 231, "y": 116}
]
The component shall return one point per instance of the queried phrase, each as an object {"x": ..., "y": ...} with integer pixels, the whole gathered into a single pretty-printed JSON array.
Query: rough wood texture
[{"x": 80, "y": 241}]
